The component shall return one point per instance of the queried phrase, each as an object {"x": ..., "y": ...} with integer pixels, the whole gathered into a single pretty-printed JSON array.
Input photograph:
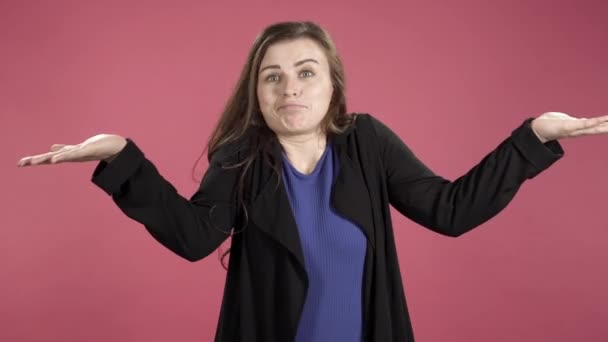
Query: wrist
[
  {"x": 533, "y": 126},
  {"x": 122, "y": 142}
]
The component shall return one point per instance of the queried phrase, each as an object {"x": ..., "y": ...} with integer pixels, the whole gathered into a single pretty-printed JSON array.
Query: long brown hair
[{"x": 242, "y": 114}]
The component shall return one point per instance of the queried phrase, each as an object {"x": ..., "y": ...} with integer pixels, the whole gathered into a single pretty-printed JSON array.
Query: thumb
[{"x": 56, "y": 147}]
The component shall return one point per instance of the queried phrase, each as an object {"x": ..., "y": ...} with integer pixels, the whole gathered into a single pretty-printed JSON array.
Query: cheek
[
  {"x": 323, "y": 94},
  {"x": 265, "y": 97},
  {"x": 266, "y": 105},
  {"x": 324, "y": 89},
  {"x": 329, "y": 92},
  {"x": 260, "y": 95}
]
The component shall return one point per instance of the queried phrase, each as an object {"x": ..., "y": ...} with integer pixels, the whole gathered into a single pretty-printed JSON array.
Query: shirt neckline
[{"x": 317, "y": 167}]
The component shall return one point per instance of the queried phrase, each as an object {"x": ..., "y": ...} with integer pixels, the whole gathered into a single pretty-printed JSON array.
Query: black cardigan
[{"x": 266, "y": 280}]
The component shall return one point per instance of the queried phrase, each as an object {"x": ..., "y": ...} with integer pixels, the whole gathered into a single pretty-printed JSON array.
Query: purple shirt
[{"x": 334, "y": 254}]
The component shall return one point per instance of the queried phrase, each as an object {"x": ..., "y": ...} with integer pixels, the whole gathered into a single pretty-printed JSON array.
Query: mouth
[{"x": 291, "y": 107}]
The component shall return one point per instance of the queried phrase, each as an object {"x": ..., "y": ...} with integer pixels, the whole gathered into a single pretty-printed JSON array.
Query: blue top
[{"x": 334, "y": 254}]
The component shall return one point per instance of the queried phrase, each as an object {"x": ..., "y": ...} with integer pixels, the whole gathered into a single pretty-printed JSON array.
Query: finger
[
  {"x": 590, "y": 124},
  {"x": 43, "y": 158},
  {"x": 74, "y": 153},
  {"x": 57, "y": 147},
  {"x": 596, "y": 121},
  {"x": 573, "y": 126},
  {"x": 25, "y": 161},
  {"x": 47, "y": 158},
  {"x": 598, "y": 129}
]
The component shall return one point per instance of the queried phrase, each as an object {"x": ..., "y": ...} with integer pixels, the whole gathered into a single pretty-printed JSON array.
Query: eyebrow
[{"x": 274, "y": 66}]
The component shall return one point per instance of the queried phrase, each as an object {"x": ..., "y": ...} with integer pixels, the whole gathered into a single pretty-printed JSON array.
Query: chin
[{"x": 295, "y": 124}]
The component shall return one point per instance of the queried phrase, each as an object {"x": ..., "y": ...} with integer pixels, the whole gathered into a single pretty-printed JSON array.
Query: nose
[{"x": 291, "y": 88}]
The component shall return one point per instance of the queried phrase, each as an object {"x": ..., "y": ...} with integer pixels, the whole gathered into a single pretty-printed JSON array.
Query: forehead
[{"x": 286, "y": 53}]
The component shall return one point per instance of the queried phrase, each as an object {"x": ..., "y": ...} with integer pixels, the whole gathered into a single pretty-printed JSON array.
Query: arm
[
  {"x": 453, "y": 208},
  {"x": 181, "y": 225}
]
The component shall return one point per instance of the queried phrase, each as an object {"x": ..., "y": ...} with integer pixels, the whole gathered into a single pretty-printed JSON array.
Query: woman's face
[{"x": 294, "y": 87}]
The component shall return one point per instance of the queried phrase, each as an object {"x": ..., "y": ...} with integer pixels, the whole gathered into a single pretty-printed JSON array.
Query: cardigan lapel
[
  {"x": 272, "y": 214},
  {"x": 350, "y": 194}
]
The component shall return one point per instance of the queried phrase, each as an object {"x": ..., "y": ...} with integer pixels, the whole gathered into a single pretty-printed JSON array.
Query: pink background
[{"x": 452, "y": 79}]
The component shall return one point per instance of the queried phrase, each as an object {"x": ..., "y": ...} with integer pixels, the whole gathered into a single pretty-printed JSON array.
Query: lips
[{"x": 291, "y": 106}]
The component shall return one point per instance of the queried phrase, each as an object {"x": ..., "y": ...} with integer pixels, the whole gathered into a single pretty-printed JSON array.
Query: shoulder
[
  {"x": 366, "y": 133},
  {"x": 231, "y": 153},
  {"x": 369, "y": 125},
  {"x": 371, "y": 129}
]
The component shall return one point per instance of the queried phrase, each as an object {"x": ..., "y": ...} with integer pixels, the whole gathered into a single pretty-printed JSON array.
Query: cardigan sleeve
[
  {"x": 453, "y": 208},
  {"x": 192, "y": 228}
]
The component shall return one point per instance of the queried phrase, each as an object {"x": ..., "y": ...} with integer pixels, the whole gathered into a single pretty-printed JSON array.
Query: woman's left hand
[{"x": 555, "y": 125}]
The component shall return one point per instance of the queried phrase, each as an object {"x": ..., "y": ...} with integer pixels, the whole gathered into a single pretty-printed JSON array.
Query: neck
[{"x": 304, "y": 151}]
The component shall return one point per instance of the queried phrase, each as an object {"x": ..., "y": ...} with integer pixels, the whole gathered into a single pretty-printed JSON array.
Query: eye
[
  {"x": 272, "y": 78},
  {"x": 307, "y": 73}
]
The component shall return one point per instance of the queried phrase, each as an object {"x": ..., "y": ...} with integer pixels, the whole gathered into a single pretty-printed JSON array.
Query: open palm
[
  {"x": 556, "y": 125},
  {"x": 98, "y": 147}
]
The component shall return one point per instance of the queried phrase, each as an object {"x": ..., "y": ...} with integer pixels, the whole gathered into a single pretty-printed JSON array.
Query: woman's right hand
[{"x": 99, "y": 147}]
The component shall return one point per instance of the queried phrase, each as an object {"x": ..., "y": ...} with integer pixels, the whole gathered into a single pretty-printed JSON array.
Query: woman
[{"x": 304, "y": 190}]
